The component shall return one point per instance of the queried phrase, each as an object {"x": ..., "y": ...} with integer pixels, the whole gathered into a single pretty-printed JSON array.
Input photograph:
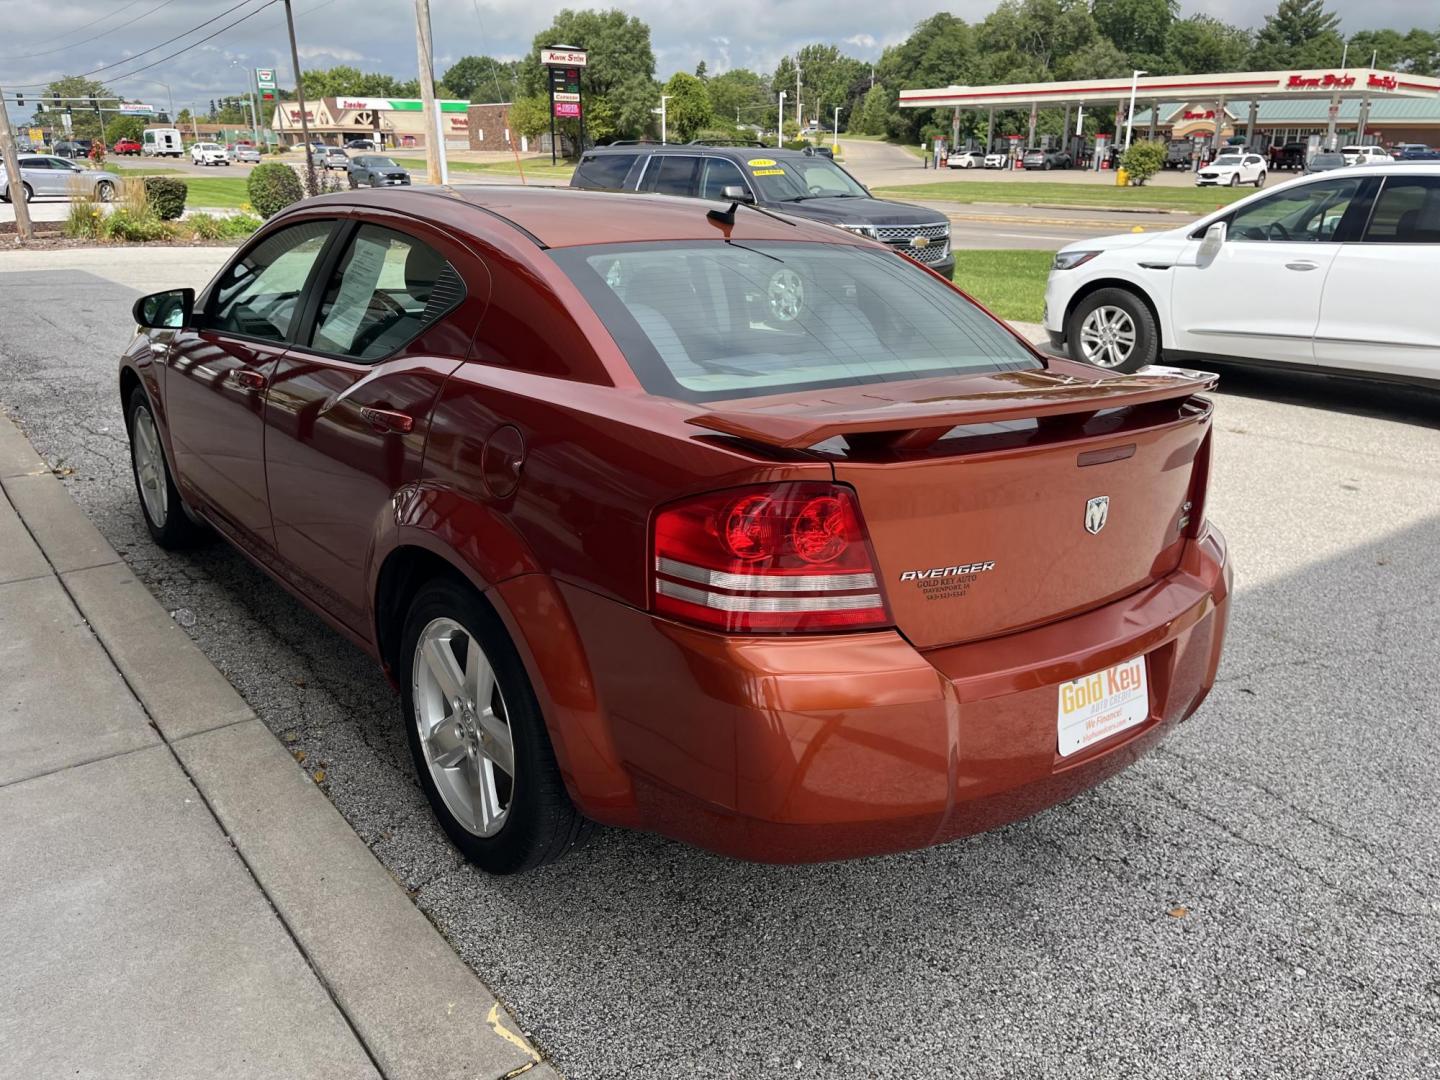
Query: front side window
[
  {"x": 703, "y": 321},
  {"x": 258, "y": 295},
  {"x": 717, "y": 175},
  {"x": 1297, "y": 212},
  {"x": 386, "y": 289},
  {"x": 1407, "y": 212}
]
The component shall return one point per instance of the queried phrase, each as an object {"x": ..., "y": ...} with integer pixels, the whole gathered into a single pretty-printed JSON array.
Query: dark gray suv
[{"x": 792, "y": 181}]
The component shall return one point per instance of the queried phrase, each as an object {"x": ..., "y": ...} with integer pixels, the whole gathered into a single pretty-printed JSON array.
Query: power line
[
  {"x": 96, "y": 37},
  {"x": 87, "y": 26},
  {"x": 161, "y": 45},
  {"x": 187, "y": 48}
]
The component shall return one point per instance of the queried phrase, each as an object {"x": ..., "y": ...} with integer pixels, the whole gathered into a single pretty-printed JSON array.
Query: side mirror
[
  {"x": 169, "y": 310},
  {"x": 736, "y": 193},
  {"x": 1211, "y": 244}
]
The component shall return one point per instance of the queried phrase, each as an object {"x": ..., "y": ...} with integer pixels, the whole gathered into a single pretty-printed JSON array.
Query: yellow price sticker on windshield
[
  {"x": 760, "y": 163},
  {"x": 767, "y": 172}
]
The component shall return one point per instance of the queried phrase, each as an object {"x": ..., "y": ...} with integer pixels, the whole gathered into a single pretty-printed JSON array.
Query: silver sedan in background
[{"x": 54, "y": 177}]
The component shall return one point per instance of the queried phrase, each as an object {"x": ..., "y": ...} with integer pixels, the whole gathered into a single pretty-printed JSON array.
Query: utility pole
[
  {"x": 15, "y": 185},
  {"x": 299, "y": 98},
  {"x": 434, "y": 143},
  {"x": 780, "y": 123},
  {"x": 799, "y": 123}
]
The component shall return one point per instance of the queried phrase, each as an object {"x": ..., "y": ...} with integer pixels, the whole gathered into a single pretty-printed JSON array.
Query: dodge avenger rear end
[{"x": 735, "y": 528}]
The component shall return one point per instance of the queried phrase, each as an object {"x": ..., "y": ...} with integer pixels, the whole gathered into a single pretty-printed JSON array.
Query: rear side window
[
  {"x": 385, "y": 290},
  {"x": 711, "y": 320},
  {"x": 605, "y": 172},
  {"x": 671, "y": 174},
  {"x": 1407, "y": 212}
]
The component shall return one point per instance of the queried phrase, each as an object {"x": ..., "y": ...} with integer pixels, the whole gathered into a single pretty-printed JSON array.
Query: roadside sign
[
  {"x": 265, "y": 83},
  {"x": 134, "y": 108},
  {"x": 37, "y": 136},
  {"x": 562, "y": 57}
]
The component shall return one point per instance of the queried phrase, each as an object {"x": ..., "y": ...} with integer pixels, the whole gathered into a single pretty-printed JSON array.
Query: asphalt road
[{"x": 1256, "y": 899}]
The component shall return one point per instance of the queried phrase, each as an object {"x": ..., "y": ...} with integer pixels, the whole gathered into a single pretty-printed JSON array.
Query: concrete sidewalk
[{"x": 179, "y": 899}]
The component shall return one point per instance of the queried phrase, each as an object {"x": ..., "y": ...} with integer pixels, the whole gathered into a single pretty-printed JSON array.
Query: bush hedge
[
  {"x": 1142, "y": 161},
  {"x": 272, "y": 187},
  {"x": 165, "y": 196}
]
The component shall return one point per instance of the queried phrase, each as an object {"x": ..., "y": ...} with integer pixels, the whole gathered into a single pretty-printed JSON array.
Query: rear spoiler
[{"x": 913, "y": 420}]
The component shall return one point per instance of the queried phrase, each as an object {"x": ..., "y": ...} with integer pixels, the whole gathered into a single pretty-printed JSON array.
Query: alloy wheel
[
  {"x": 149, "y": 467},
  {"x": 1107, "y": 336},
  {"x": 464, "y": 727}
]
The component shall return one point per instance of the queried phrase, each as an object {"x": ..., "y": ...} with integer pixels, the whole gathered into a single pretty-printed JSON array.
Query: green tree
[
  {"x": 482, "y": 78},
  {"x": 1101, "y": 59},
  {"x": 873, "y": 111},
  {"x": 1417, "y": 52},
  {"x": 828, "y": 78},
  {"x": 183, "y": 117},
  {"x": 84, "y": 121},
  {"x": 740, "y": 96},
  {"x": 530, "y": 117},
  {"x": 1135, "y": 26},
  {"x": 701, "y": 72},
  {"x": 689, "y": 108},
  {"x": 1202, "y": 45},
  {"x": 124, "y": 127},
  {"x": 1142, "y": 161},
  {"x": 941, "y": 50},
  {"x": 1300, "y": 34}
]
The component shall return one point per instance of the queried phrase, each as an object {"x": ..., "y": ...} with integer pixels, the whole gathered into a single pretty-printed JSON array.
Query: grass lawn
[
  {"x": 1081, "y": 196},
  {"x": 534, "y": 170},
  {"x": 216, "y": 192},
  {"x": 1009, "y": 283},
  {"x": 913, "y": 151},
  {"x": 140, "y": 170}
]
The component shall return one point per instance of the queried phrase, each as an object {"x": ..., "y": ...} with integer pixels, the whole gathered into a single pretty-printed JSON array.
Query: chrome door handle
[
  {"x": 1302, "y": 266},
  {"x": 246, "y": 379},
  {"x": 159, "y": 349},
  {"x": 388, "y": 420}
]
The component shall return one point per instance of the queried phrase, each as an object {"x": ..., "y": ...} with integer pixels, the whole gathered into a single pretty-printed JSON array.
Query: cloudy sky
[{"x": 46, "y": 39}]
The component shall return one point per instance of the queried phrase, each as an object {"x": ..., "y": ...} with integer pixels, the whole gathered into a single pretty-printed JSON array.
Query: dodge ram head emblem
[{"x": 1097, "y": 511}]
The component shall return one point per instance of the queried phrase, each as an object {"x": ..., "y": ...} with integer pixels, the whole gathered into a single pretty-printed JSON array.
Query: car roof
[
  {"x": 737, "y": 152},
  {"x": 557, "y": 217}
]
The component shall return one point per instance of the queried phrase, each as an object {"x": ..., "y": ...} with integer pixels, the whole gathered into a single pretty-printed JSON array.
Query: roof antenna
[{"x": 736, "y": 194}]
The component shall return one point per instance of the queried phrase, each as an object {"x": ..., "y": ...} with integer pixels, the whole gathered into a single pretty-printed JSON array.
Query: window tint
[
  {"x": 705, "y": 321},
  {"x": 604, "y": 171},
  {"x": 385, "y": 290},
  {"x": 1407, "y": 212},
  {"x": 258, "y": 295},
  {"x": 34, "y": 163},
  {"x": 671, "y": 174},
  {"x": 1297, "y": 212},
  {"x": 718, "y": 174}
]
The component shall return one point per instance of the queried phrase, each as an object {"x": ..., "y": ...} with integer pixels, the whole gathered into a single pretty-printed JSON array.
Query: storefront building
[{"x": 397, "y": 122}]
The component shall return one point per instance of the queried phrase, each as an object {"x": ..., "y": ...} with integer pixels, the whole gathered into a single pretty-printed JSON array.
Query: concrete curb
[{"x": 419, "y": 1011}]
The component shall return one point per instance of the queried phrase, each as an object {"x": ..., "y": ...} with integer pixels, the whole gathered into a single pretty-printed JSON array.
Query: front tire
[
  {"x": 477, "y": 736},
  {"x": 165, "y": 516},
  {"x": 1259, "y": 181},
  {"x": 1235, "y": 179},
  {"x": 1112, "y": 329},
  {"x": 105, "y": 191}
]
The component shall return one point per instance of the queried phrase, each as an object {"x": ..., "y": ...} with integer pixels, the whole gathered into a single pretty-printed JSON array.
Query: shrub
[
  {"x": 237, "y": 226},
  {"x": 1142, "y": 161},
  {"x": 272, "y": 187},
  {"x": 86, "y": 221},
  {"x": 165, "y": 196},
  {"x": 122, "y": 224},
  {"x": 206, "y": 226},
  {"x": 797, "y": 144}
]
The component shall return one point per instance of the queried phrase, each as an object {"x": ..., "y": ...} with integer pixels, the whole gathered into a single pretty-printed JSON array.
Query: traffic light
[
  {"x": 95, "y": 104},
  {"x": 55, "y": 101},
  {"x": 19, "y": 101}
]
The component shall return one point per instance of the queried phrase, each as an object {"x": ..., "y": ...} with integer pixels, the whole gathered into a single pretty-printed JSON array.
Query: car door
[
  {"x": 60, "y": 176},
  {"x": 1378, "y": 311},
  {"x": 216, "y": 375},
  {"x": 1260, "y": 296},
  {"x": 348, "y": 408},
  {"x": 1254, "y": 166}
]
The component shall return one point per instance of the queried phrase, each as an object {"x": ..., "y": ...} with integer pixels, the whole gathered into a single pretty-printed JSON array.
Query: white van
[{"x": 162, "y": 142}]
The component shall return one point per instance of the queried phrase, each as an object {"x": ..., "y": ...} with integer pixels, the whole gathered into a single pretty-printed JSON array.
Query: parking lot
[{"x": 1257, "y": 898}]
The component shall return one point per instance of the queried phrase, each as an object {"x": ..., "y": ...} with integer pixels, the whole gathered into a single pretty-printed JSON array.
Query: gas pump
[{"x": 1102, "y": 151}]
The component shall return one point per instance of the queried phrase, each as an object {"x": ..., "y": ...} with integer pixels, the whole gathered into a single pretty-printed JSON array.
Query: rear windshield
[{"x": 704, "y": 321}]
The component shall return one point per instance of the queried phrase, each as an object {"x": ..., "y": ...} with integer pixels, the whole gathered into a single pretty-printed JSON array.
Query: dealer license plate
[{"x": 1096, "y": 706}]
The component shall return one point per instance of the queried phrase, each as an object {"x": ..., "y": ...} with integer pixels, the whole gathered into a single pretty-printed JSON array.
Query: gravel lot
[{"x": 1257, "y": 899}]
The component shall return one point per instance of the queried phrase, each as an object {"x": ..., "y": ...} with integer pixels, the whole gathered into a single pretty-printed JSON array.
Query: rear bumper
[{"x": 809, "y": 749}]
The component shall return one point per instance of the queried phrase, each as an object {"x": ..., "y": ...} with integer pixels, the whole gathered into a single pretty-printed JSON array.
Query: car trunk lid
[{"x": 1002, "y": 501}]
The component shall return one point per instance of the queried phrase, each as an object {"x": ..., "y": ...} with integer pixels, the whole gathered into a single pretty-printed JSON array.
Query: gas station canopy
[{"x": 1252, "y": 85}]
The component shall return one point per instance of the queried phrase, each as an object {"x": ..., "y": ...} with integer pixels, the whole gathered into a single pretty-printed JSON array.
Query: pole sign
[
  {"x": 134, "y": 108},
  {"x": 265, "y": 83},
  {"x": 566, "y": 103}
]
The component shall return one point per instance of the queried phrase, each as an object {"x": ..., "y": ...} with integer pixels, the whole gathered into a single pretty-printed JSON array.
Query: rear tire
[
  {"x": 105, "y": 191},
  {"x": 164, "y": 511},
  {"x": 537, "y": 822},
  {"x": 1114, "y": 330}
]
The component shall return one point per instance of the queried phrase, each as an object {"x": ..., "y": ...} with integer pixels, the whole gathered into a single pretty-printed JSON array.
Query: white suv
[
  {"x": 1331, "y": 272},
  {"x": 1232, "y": 168},
  {"x": 209, "y": 153},
  {"x": 1364, "y": 155}
]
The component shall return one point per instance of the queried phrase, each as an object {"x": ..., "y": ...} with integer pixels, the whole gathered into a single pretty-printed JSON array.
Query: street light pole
[
  {"x": 780, "y": 124},
  {"x": 1130, "y": 116},
  {"x": 664, "y": 119},
  {"x": 835, "y": 142}
]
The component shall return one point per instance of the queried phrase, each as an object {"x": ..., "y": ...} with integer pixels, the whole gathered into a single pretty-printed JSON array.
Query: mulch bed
[{"x": 50, "y": 235}]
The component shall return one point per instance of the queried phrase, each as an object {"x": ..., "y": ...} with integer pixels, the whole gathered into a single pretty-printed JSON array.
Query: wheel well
[
  {"x": 405, "y": 570},
  {"x": 1115, "y": 283},
  {"x": 128, "y": 382}
]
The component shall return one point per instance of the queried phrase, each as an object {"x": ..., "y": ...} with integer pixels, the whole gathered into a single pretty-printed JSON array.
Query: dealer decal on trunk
[{"x": 947, "y": 582}]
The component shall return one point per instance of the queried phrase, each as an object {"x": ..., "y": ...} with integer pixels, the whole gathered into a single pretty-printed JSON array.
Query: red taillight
[{"x": 789, "y": 557}]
